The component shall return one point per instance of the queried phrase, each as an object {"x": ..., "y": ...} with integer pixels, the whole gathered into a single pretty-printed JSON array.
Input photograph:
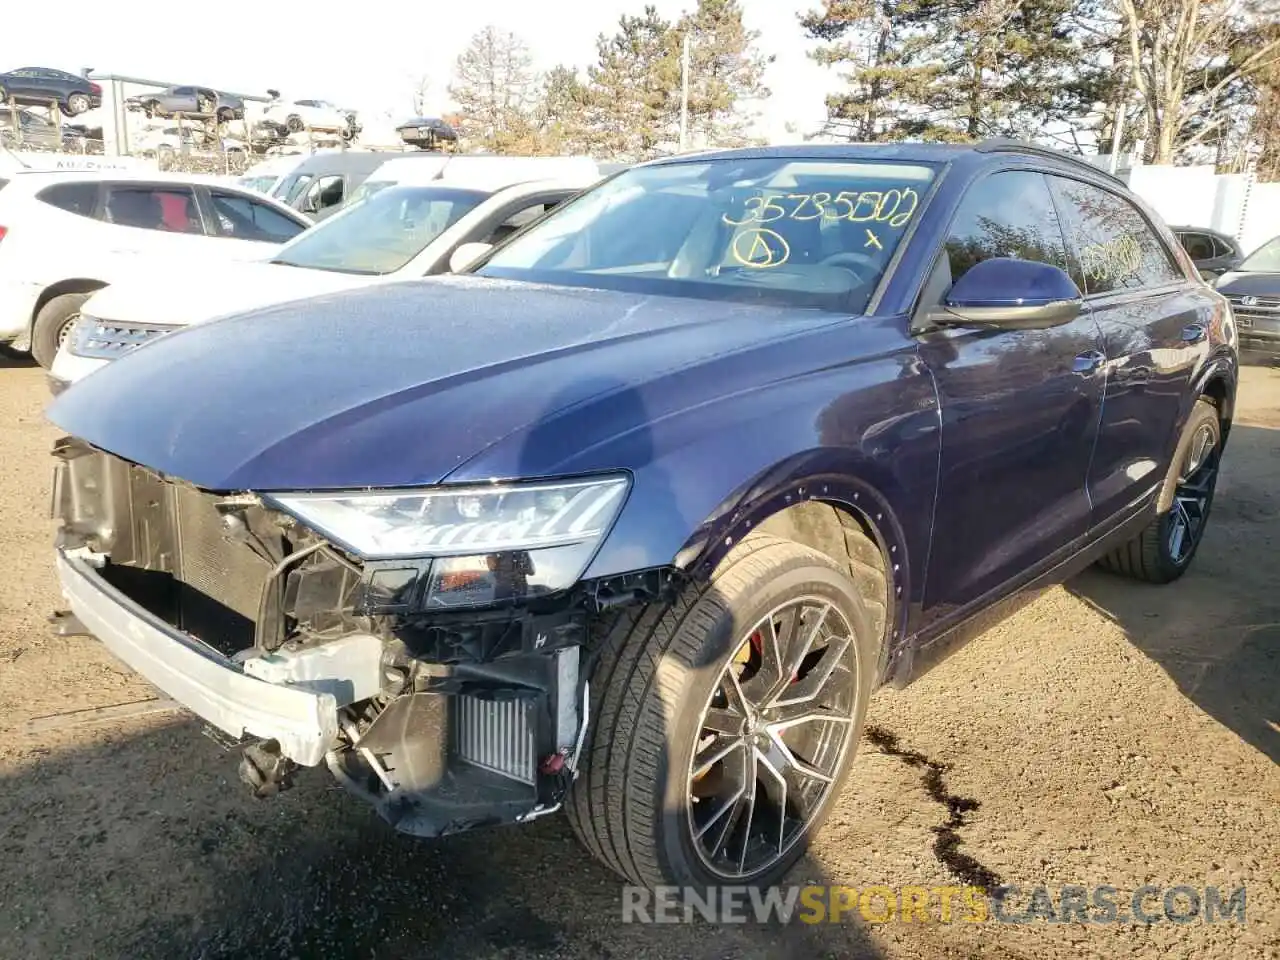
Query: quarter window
[
  {"x": 1111, "y": 240},
  {"x": 79, "y": 198},
  {"x": 1009, "y": 214}
]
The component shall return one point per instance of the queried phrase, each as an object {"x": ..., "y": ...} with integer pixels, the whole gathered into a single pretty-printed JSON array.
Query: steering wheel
[{"x": 859, "y": 264}]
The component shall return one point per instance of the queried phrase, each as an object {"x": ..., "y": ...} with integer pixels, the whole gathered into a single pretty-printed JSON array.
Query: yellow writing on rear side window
[
  {"x": 894, "y": 206},
  {"x": 1104, "y": 262}
]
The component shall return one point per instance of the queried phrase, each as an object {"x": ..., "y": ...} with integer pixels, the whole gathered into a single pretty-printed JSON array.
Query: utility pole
[{"x": 684, "y": 94}]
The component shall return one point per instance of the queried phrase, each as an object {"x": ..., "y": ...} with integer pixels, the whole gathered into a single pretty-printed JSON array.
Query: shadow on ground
[
  {"x": 11, "y": 358},
  {"x": 1216, "y": 631},
  {"x": 309, "y": 874}
]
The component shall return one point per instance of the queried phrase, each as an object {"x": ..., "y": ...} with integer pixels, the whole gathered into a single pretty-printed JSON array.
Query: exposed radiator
[
  {"x": 496, "y": 735},
  {"x": 219, "y": 567}
]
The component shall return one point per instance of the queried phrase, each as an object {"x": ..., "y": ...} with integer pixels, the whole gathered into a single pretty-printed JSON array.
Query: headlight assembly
[{"x": 487, "y": 543}]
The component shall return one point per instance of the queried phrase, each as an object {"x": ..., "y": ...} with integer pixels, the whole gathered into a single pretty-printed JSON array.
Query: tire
[
  {"x": 294, "y": 123},
  {"x": 1185, "y": 500},
  {"x": 655, "y": 672},
  {"x": 77, "y": 104},
  {"x": 52, "y": 325}
]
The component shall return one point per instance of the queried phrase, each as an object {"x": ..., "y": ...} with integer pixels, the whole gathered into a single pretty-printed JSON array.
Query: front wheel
[
  {"x": 724, "y": 722},
  {"x": 53, "y": 326},
  {"x": 1162, "y": 552}
]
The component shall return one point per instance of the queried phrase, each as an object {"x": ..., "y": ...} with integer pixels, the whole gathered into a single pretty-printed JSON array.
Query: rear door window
[
  {"x": 1008, "y": 214},
  {"x": 1110, "y": 240},
  {"x": 77, "y": 198},
  {"x": 168, "y": 209}
]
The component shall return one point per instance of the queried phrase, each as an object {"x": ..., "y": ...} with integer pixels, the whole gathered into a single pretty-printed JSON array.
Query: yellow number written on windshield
[{"x": 894, "y": 207}]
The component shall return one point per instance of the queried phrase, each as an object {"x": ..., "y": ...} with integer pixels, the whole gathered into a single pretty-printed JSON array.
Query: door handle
[
  {"x": 1088, "y": 362},
  {"x": 1194, "y": 333}
]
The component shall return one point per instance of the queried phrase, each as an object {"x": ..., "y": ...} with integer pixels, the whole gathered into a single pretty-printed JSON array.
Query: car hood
[
  {"x": 180, "y": 297},
  {"x": 392, "y": 385},
  {"x": 1236, "y": 284}
]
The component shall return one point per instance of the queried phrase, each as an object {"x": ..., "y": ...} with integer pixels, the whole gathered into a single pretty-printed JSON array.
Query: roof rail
[{"x": 1006, "y": 145}]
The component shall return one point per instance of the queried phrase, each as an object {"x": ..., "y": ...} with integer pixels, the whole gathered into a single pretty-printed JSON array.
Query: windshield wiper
[{"x": 313, "y": 266}]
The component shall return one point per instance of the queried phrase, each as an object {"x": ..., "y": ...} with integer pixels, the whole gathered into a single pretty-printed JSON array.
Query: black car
[
  {"x": 190, "y": 102},
  {"x": 426, "y": 132},
  {"x": 1213, "y": 253},
  {"x": 41, "y": 86},
  {"x": 1253, "y": 288}
]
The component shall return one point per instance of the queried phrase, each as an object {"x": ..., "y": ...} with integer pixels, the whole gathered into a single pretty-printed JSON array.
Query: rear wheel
[
  {"x": 77, "y": 104},
  {"x": 53, "y": 326},
  {"x": 1163, "y": 551},
  {"x": 294, "y": 123},
  {"x": 724, "y": 722}
]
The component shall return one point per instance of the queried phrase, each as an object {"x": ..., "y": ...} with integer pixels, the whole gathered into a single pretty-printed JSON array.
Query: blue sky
[{"x": 367, "y": 55}]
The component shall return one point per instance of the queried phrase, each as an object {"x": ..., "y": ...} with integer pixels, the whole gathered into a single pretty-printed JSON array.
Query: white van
[
  {"x": 475, "y": 171},
  {"x": 263, "y": 177}
]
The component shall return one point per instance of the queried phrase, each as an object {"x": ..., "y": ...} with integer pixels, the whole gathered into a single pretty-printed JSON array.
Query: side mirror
[
  {"x": 467, "y": 254},
  {"x": 1011, "y": 294}
]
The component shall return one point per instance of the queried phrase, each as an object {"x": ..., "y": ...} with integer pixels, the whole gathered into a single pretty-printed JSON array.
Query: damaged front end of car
[{"x": 431, "y": 647}]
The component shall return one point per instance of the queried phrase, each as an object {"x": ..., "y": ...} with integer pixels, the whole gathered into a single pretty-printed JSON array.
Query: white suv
[
  {"x": 65, "y": 235},
  {"x": 316, "y": 114},
  {"x": 400, "y": 233}
]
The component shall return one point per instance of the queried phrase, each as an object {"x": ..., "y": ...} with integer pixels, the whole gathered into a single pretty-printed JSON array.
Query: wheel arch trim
[{"x": 803, "y": 479}]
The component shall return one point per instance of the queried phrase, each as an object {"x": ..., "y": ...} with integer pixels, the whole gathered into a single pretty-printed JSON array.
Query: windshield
[
  {"x": 1266, "y": 259},
  {"x": 260, "y": 184},
  {"x": 383, "y": 233},
  {"x": 369, "y": 188},
  {"x": 805, "y": 232}
]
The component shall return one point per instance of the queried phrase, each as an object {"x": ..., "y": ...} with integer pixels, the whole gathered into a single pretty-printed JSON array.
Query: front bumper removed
[
  {"x": 441, "y": 720},
  {"x": 241, "y": 699}
]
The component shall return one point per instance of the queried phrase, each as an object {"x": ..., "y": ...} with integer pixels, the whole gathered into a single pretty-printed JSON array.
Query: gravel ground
[{"x": 1109, "y": 733}]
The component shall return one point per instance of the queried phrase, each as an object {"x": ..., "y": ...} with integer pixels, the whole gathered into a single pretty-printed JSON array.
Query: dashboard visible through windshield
[
  {"x": 794, "y": 231},
  {"x": 381, "y": 233}
]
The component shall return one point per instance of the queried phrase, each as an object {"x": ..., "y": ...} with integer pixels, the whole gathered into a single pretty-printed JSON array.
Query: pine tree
[
  {"x": 495, "y": 89},
  {"x": 949, "y": 69},
  {"x": 869, "y": 39},
  {"x": 633, "y": 89},
  {"x": 726, "y": 73},
  {"x": 561, "y": 112}
]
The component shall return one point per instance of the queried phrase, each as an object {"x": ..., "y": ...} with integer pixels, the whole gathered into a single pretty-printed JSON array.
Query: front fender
[
  {"x": 850, "y": 408},
  {"x": 705, "y": 478}
]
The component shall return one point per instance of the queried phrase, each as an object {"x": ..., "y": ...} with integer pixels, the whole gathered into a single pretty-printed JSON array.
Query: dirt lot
[{"x": 1108, "y": 734}]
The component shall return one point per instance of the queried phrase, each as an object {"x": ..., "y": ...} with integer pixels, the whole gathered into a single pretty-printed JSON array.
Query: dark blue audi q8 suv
[{"x": 632, "y": 517}]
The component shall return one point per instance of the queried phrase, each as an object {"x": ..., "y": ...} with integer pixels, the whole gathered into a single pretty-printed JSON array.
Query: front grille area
[
  {"x": 107, "y": 339},
  {"x": 170, "y": 546},
  {"x": 1247, "y": 310}
]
